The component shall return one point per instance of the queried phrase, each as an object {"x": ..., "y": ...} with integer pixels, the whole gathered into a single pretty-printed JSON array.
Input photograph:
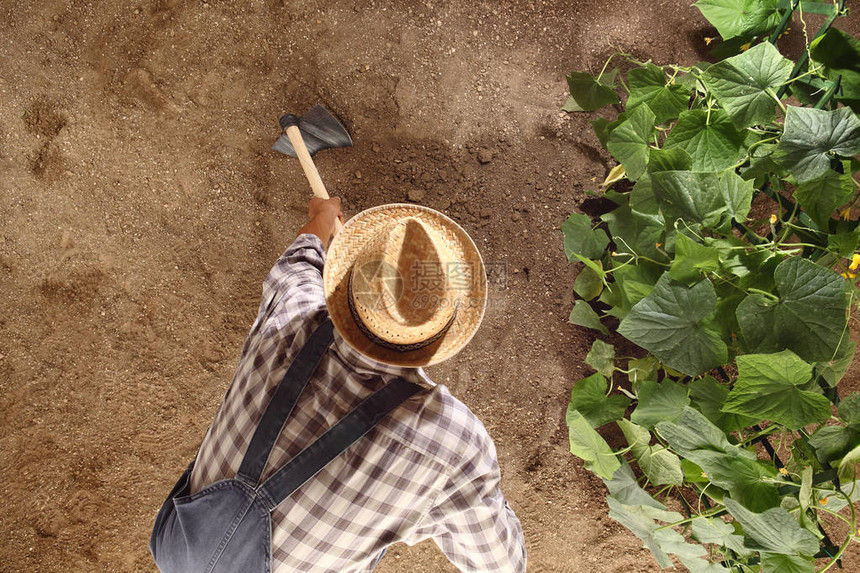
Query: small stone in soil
[
  {"x": 515, "y": 217},
  {"x": 485, "y": 155},
  {"x": 486, "y": 212},
  {"x": 415, "y": 195}
]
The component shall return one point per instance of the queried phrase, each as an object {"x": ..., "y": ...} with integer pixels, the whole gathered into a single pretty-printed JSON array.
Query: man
[{"x": 289, "y": 479}]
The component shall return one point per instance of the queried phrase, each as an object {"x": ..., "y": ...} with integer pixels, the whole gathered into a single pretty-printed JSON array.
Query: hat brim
[{"x": 345, "y": 249}]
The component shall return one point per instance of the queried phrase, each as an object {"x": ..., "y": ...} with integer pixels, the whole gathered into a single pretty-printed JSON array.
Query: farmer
[{"x": 278, "y": 479}]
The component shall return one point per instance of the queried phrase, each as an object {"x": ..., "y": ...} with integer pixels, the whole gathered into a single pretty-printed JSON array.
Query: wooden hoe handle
[{"x": 310, "y": 169}]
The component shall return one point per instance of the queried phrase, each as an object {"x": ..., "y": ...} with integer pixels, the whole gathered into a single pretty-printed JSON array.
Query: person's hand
[
  {"x": 322, "y": 214},
  {"x": 327, "y": 209}
]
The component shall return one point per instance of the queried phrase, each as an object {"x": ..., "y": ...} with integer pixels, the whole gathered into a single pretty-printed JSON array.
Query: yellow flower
[
  {"x": 772, "y": 219},
  {"x": 704, "y": 475},
  {"x": 709, "y": 40},
  {"x": 845, "y": 213},
  {"x": 855, "y": 262},
  {"x": 783, "y": 471},
  {"x": 658, "y": 245},
  {"x": 823, "y": 501},
  {"x": 848, "y": 275},
  {"x": 746, "y": 46}
]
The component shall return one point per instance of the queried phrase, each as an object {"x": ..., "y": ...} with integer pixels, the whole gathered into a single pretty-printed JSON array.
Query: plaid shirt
[{"x": 428, "y": 470}]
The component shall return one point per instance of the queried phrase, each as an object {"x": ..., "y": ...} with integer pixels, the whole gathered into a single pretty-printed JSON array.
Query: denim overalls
[{"x": 226, "y": 527}]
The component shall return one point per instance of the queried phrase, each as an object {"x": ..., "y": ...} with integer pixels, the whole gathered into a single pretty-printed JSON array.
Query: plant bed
[{"x": 729, "y": 256}]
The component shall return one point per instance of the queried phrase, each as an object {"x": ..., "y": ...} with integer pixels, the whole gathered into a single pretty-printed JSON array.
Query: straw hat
[{"x": 405, "y": 285}]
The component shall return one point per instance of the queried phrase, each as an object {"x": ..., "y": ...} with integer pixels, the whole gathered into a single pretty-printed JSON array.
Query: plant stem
[
  {"x": 783, "y": 24},
  {"x": 804, "y": 57},
  {"x": 716, "y": 511}
]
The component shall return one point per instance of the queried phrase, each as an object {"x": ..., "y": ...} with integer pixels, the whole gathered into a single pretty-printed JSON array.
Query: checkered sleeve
[
  {"x": 301, "y": 265},
  {"x": 470, "y": 519}
]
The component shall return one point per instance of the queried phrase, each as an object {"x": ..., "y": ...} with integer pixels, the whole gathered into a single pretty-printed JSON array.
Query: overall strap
[
  {"x": 282, "y": 403},
  {"x": 310, "y": 461}
]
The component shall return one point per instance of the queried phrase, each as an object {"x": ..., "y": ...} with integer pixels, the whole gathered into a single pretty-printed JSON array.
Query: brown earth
[{"x": 142, "y": 206}]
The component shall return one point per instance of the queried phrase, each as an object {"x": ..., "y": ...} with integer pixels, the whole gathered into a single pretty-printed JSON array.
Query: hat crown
[{"x": 398, "y": 284}]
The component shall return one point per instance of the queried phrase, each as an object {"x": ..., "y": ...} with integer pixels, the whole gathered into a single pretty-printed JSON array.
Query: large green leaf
[
  {"x": 812, "y": 137},
  {"x": 693, "y": 432},
  {"x": 838, "y": 54},
  {"x": 581, "y": 239},
  {"x": 708, "y": 198},
  {"x": 648, "y": 85},
  {"x": 774, "y": 531},
  {"x": 588, "y": 94},
  {"x": 659, "y": 401},
  {"x": 673, "y": 323},
  {"x": 715, "y": 530},
  {"x": 849, "y": 409},
  {"x": 583, "y": 315},
  {"x": 709, "y": 396},
  {"x": 624, "y": 488},
  {"x": 674, "y": 159},
  {"x": 833, "y": 442},
  {"x": 589, "y": 283},
  {"x": 601, "y": 357},
  {"x": 745, "y": 84},
  {"x": 692, "y": 260},
  {"x": 589, "y": 398},
  {"x": 712, "y": 141},
  {"x": 640, "y": 520},
  {"x": 779, "y": 563},
  {"x": 739, "y": 17},
  {"x": 808, "y": 318},
  {"x": 588, "y": 445},
  {"x": 742, "y": 477},
  {"x": 767, "y": 389},
  {"x": 659, "y": 465},
  {"x": 821, "y": 196},
  {"x": 638, "y": 231},
  {"x": 629, "y": 142}
]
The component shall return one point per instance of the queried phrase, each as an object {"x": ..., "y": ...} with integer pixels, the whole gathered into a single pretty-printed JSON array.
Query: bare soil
[{"x": 141, "y": 206}]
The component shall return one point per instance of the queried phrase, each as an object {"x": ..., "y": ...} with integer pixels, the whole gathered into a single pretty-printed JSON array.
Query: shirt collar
[{"x": 362, "y": 364}]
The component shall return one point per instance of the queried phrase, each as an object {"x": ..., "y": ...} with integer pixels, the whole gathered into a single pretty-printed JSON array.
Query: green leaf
[
  {"x": 779, "y": 563},
  {"x": 821, "y": 196},
  {"x": 640, "y": 231},
  {"x": 648, "y": 86},
  {"x": 642, "y": 369},
  {"x": 848, "y": 465},
  {"x": 624, "y": 488},
  {"x": 692, "y": 260},
  {"x": 603, "y": 127},
  {"x": 601, "y": 357},
  {"x": 587, "y": 444},
  {"x": 710, "y": 199},
  {"x": 588, "y": 94},
  {"x": 673, "y": 323},
  {"x": 763, "y": 162},
  {"x": 774, "y": 531},
  {"x": 709, "y": 396},
  {"x": 843, "y": 244},
  {"x": 693, "y": 432},
  {"x": 808, "y": 317},
  {"x": 659, "y": 401},
  {"x": 640, "y": 520},
  {"x": 675, "y": 159},
  {"x": 833, "y": 370},
  {"x": 740, "y": 476},
  {"x": 838, "y": 54},
  {"x": 713, "y": 143},
  {"x": 659, "y": 465},
  {"x": 581, "y": 239},
  {"x": 767, "y": 389},
  {"x": 849, "y": 409},
  {"x": 812, "y": 137},
  {"x": 629, "y": 142},
  {"x": 739, "y": 17},
  {"x": 715, "y": 530},
  {"x": 589, "y": 398},
  {"x": 833, "y": 442},
  {"x": 744, "y": 84},
  {"x": 588, "y": 284},
  {"x": 583, "y": 315}
]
